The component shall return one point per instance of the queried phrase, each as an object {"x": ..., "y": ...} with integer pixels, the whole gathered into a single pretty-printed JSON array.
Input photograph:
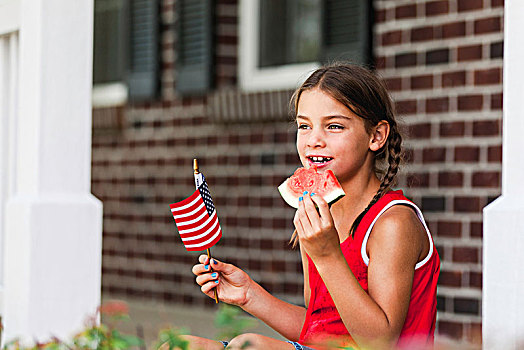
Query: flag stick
[
  {"x": 195, "y": 168},
  {"x": 214, "y": 289}
]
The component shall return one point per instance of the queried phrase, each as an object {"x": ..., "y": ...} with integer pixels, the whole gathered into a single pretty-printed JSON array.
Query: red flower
[{"x": 114, "y": 308}]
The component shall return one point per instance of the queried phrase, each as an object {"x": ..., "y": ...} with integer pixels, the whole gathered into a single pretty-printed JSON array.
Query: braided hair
[{"x": 366, "y": 95}]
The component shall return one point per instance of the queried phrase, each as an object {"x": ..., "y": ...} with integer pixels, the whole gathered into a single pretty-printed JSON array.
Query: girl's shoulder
[{"x": 399, "y": 226}]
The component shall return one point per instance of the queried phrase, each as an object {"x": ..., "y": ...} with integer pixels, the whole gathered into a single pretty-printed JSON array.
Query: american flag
[{"x": 196, "y": 218}]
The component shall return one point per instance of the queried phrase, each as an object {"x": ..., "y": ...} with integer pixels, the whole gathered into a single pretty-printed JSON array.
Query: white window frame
[{"x": 253, "y": 78}]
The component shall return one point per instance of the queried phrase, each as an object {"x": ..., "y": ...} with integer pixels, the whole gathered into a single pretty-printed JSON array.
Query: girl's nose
[{"x": 316, "y": 139}]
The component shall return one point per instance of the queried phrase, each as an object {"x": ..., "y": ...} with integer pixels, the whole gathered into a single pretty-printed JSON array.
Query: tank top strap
[{"x": 372, "y": 213}]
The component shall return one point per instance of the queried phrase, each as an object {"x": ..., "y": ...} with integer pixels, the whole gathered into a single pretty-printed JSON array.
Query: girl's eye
[
  {"x": 303, "y": 126},
  {"x": 335, "y": 126}
]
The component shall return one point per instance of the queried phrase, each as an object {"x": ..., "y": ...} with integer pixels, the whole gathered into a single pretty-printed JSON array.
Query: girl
[{"x": 370, "y": 266}]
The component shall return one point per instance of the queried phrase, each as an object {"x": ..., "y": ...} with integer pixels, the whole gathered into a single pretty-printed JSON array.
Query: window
[
  {"x": 281, "y": 41},
  {"x": 125, "y": 57}
]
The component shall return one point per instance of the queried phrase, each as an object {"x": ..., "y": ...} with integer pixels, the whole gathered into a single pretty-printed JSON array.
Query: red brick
[
  {"x": 466, "y": 254},
  {"x": 409, "y": 155},
  {"x": 474, "y": 335},
  {"x": 486, "y": 179},
  {"x": 469, "y": 53},
  {"x": 450, "y": 179},
  {"x": 405, "y": 60},
  {"x": 418, "y": 180},
  {"x": 453, "y": 30},
  {"x": 437, "y": 56},
  {"x": 406, "y": 106},
  {"x": 394, "y": 84},
  {"x": 466, "y": 205},
  {"x": 437, "y": 105},
  {"x": 496, "y": 50},
  {"x": 488, "y": 76},
  {"x": 475, "y": 279},
  {"x": 434, "y": 8},
  {"x": 469, "y": 102},
  {"x": 467, "y": 154},
  {"x": 497, "y": 3},
  {"x": 453, "y": 330},
  {"x": 466, "y": 306},
  {"x": 496, "y": 101},
  {"x": 421, "y": 34},
  {"x": 420, "y": 131},
  {"x": 495, "y": 154},
  {"x": 488, "y": 25},
  {"x": 452, "y": 129},
  {"x": 380, "y": 62},
  {"x": 452, "y": 79},
  {"x": 392, "y": 38},
  {"x": 475, "y": 229},
  {"x": 468, "y": 5},
  {"x": 422, "y": 82},
  {"x": 434, "y": 154},
  {"x": 406, "y": 11},
  {"x": 442, "y": 254},
  {"x": 380, "y": 16},
  {"x": 449, "y": 229},
  {"x": 486, "y": 128},
  {"x": 450, "y": 278}
]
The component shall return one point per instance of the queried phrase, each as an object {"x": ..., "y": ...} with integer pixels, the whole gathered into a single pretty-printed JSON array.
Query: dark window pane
[
  {"x": 289, "y": 32},
  {"x": 109, "y": 47}
]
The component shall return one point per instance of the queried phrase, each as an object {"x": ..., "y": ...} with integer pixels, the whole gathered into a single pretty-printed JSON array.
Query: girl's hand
[
  {"x": 316, "y": 229},
  {"x": 232, "y": 283}
]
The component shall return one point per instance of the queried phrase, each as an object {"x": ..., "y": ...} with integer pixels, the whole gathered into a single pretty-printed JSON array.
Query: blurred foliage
[{"x": 232, "y": 321}]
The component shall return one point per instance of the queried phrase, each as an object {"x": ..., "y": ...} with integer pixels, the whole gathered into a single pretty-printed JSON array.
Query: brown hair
[{"x": 366, "y": 95}]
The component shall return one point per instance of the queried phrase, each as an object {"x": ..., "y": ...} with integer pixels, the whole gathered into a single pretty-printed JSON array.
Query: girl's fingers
[
  {"x": 203, "y": 259},
  {"x": 311, "y": 212},
  {"x": 298, "y": 224},
  {"x": 323, "y": 209},
  {"x": 207, "y": 277},
  {"x": 200, "y": 269},
  {"x": 303, "y": 218},
  {"x": 206, "y": 288}
]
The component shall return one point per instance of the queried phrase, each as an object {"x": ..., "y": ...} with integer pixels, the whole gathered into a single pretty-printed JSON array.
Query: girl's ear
[{"x": 379, "y": 136}]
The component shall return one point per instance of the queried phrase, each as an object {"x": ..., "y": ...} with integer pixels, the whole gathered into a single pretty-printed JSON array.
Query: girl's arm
[
  {"x": 237, "y": 288},
  {"x": 375, "y": 319},
  {"x": 305, "y": 269},
  {"x": 285, "y": 318}
]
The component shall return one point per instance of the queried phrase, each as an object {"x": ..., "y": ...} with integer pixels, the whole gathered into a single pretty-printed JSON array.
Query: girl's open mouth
[{"x": 319, "y": 161}]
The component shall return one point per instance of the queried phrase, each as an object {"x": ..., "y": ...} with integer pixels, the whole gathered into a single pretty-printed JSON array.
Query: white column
[
  {"x": 52, "y": 263},
  {"x": 503, "y": 244}
]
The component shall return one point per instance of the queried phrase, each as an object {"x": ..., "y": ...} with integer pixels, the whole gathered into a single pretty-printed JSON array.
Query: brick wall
[{"x": 443, "y": 63}]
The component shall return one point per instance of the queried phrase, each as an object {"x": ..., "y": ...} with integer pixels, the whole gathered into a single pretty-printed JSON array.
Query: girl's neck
[{"x": 359, "y": 193}]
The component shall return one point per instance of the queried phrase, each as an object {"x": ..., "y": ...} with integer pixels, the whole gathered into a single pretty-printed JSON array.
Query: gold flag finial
[{"x": 195, "y": 165}]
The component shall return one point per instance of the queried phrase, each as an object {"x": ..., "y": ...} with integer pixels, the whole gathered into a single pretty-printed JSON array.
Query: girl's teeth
[{"x": 320, "y": 159}]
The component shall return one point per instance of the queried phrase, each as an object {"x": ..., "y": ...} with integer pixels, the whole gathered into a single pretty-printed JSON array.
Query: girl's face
[{"x": 330, "y": 136}]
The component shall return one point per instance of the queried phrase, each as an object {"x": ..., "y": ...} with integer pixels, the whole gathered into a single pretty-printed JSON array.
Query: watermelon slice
[{"x": 323, "y": 184}]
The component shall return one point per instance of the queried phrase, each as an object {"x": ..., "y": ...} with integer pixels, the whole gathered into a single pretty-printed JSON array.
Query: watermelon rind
[{"x": 288, "y": 197}]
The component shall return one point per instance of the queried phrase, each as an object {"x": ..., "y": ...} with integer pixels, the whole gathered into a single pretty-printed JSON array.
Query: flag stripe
[
  {"x": 189, "y": 199},
  {"x": 191, "y": 237},
  {"x": 204, "y": 225},
  {"x": 197, "y": 227},
  {"x": 203, "y": 214},
  {"x": 190, "y": 212},
  {"x": 205, "y": 242},
  {"x": 184, "y": 207},
  {"x": 203, "y": 237}
]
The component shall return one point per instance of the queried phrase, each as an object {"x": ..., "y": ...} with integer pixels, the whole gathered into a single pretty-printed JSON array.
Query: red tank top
[{"x": 322, "y": 319}]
